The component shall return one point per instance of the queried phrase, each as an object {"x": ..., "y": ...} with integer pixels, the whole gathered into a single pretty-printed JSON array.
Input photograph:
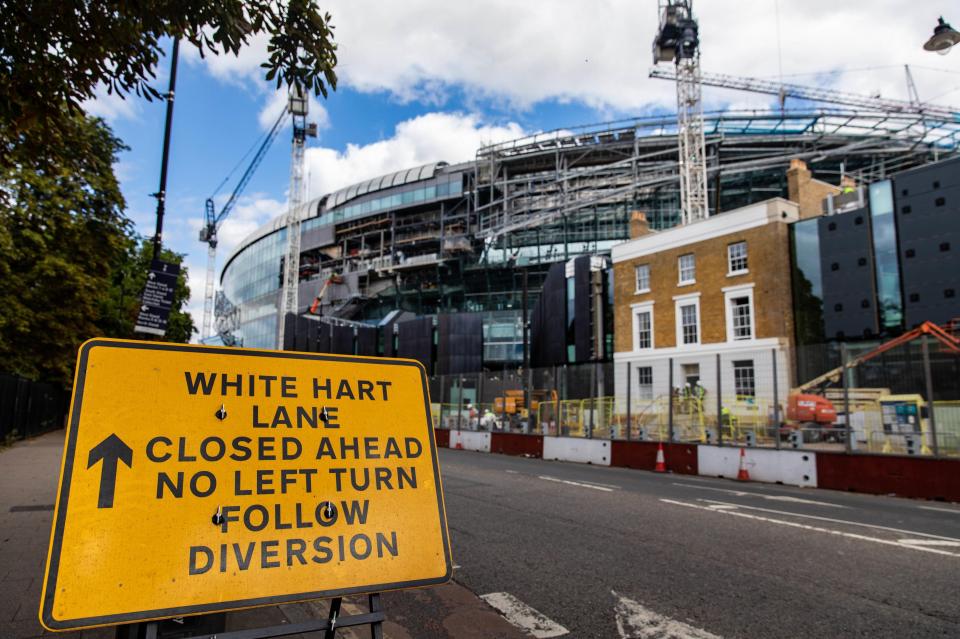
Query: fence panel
[{"x": 29, "y": 408}]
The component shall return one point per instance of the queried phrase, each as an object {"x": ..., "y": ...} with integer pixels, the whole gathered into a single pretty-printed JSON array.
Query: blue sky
[{"x": 425, "y": 80}]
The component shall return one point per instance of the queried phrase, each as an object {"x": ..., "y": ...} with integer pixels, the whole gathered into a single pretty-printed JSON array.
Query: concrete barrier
[
  {"x": 797, "y": 468},
  {"x": 575, "y": 449},
  {"x": 882, "y": 475},
  {"x": 470, "y": 440},
  {"x": 680, "y": 458},
  {"x": 516, "y": 444},
  {"x": 916, "y": 477}
]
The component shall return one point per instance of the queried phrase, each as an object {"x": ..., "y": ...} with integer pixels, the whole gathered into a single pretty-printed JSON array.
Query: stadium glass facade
[{"x": 441, "y": 238}]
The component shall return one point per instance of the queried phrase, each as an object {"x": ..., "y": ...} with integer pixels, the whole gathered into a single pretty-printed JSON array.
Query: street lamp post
[{"x": 161, "y": 193}]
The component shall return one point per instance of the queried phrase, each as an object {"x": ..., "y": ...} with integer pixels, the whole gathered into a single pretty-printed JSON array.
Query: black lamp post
[{"x": 161, "y": 194}]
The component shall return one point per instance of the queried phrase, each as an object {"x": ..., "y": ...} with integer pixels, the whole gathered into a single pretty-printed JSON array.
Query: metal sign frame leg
[{"x": 374, "y": 618}]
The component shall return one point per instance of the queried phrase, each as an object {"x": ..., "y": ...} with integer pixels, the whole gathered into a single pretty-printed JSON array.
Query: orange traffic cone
[
  {"x": 743, "y": 474},
  {"x": 661, "y": 466}
]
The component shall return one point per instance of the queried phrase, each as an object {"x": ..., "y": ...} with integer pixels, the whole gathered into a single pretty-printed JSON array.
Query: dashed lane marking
[
  {"x": 606, "y": 489},
  {"x": 952, "y": 511},
  {"x": 523, "y": 616},
  {"x": 793, "y": 524},
  {"x": 930, "y": 542},
  {"x": 911, "y": 533},
  {"x": 747, "y": 493},
  {"x": 635, "y": 621}
]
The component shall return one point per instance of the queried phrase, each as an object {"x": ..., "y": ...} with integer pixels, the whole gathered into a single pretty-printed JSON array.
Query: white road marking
[
  {"x": 637, "y": 622},
  {"x": 575, "y": 483},
  {"x": 912, "y": 533},
  {"x": 793, "y": 524},
  {"x": 596, "y": 483},
  {"x": 513, "y": 472},
  {"x": 523, "y": 616},
  {"x": 952, "y": 511},
  {"x": 930, "y": 542},
  {"x": 744, "y": 493}
]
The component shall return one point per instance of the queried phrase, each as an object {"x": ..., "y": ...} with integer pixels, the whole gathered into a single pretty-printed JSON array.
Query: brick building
[{"x": 715, "y": 290}]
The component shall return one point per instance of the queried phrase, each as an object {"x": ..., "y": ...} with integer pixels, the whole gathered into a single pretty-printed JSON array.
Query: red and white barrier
[{"x": 879, "y": 474}]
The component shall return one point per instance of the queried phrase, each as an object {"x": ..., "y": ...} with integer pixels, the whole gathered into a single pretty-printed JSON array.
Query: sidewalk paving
[{"x": 29, "y": 473}]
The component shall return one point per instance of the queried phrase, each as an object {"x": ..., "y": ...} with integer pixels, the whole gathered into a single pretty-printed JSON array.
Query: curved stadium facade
[{"x": 450, "y": 238}]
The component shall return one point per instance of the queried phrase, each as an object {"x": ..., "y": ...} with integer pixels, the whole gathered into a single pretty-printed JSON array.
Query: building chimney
[
  {"x": 639, "y": 224},
  {"x": 806, "y": 191},
  {"x": 797, "y": 175}
]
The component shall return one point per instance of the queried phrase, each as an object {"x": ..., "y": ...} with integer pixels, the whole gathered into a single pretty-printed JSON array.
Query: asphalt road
[{"x": 608, "y": 552}]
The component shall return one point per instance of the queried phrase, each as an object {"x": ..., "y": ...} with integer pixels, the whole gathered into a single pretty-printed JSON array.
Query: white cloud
[
  {"x": 598, "y": 53},
  {"x": 452, "y": 137},
  {"x": 248, "y": 214},
  {"x": 112, "y": 107}
]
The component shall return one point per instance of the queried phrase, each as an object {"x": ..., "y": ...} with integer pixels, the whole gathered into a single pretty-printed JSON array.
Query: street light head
[{"x": 943, "y": 38}]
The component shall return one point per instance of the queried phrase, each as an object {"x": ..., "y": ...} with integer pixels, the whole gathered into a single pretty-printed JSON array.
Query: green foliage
[
  {"x": 71, "y": 267},
  {"x": 53, "y": 55},
  {"x": 119, "y": 307}
]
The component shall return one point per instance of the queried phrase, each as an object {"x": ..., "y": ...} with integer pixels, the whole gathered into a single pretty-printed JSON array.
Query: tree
[
  {"x": 121, "y": 304},
  {"x": 54, "y": 55},
  {"x": 62, "y": 235}
]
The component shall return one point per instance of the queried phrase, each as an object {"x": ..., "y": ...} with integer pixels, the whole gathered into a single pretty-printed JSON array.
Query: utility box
[{"x": 905, "y": 417}]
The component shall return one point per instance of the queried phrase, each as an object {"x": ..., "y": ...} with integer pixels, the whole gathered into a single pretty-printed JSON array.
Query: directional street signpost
[
  {"x": 199, "y": 479},
  {"x": 157, "y": 298}
]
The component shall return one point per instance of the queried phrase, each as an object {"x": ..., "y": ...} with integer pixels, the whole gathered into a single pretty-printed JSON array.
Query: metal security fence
[
  {"x": 750, "y": 399},
  {"x": 29, "y": 408}
]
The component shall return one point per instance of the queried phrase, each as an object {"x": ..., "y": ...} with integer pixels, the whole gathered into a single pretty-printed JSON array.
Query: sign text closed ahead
[{"x": 205, "y": 479}]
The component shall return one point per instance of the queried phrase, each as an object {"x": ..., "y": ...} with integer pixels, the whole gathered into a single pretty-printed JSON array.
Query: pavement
[
  {"x": 551, "y": 549},
  {"x": 29, "y": 473}
]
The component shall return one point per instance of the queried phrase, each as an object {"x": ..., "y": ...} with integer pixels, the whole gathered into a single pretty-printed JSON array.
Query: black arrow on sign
[{"x": 110, "y": 450}]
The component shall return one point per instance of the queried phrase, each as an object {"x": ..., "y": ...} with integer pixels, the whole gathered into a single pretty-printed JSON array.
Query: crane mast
[
  {"x": 291, "y": 269},
  {"x": 678, "y": 41}
]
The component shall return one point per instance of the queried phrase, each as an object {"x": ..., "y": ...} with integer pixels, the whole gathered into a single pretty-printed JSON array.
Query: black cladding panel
[
  {"x": 313, "y": 329},
  {"x": 300, "y": 343},
  {"x": 366, "y": 340},
  {"x": 323, "y": 337},
  {"x": 341, "y": 340},
  {"x": 846, "y": 265},
  {"x": 289, "y": 332},
  {"x": 548, "y": 322},
  {"x": 459, "y": 343},
  {"x": 926, "y": 179},
  {"x": 928, "y": 228},
  {"x": 583, "y": 324},
  {"x": 388, "y": 347},
  {"x": 416, "y": 341}
]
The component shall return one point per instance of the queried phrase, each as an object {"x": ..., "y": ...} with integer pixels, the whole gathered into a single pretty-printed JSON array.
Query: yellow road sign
[{"x": 199, "y": 479}]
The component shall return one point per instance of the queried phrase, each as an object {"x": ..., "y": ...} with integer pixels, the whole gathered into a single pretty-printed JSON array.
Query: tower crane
[
  {"x": 678, "y": 41},
  {"x": 817, "y": 94},
  {"x": 213, "y": 220},
  {"x": 298, "y": 107}
]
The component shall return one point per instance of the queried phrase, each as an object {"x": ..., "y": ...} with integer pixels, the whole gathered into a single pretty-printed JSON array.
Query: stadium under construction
[{"x": 443, "y": 262}]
